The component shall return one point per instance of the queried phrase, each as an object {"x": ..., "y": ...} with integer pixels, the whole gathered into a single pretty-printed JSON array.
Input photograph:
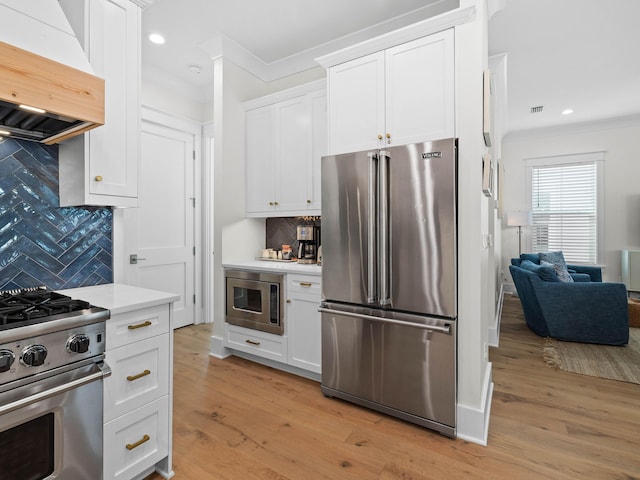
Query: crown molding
[
  {"x": 349, "y": 45},
  {"x": 143, "y": 3},
  {"x": 423, "y": 28}
]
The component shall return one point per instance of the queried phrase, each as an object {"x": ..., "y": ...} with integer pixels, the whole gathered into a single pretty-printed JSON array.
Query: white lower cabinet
[
  {"x": 137, "y": 416},
  {"x": 137, "y": 440},
  {"x": 300, "y": 346},
  {"x": 303, "y": 325},
  {"x": 254, "y": 342}
]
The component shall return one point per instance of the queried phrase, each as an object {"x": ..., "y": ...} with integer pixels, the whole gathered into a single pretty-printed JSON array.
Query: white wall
[
  {"x": 236, "y": 238},
  {"x": 621, "y": 185},
  {"x": 476, "y": 304}
]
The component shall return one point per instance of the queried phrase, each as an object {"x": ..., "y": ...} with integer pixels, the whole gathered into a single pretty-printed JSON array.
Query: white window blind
[{"x": 564, "y": 204}]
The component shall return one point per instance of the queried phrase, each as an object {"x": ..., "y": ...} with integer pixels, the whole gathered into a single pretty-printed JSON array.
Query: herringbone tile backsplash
[{"x": 41, "y": 243}]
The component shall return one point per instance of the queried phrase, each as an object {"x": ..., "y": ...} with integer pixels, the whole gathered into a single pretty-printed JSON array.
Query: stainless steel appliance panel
[
  {"x": 255, "y": 300},
  {"x": 52, "y": 428},
  {"x": 422, "y": 227},
  {"x": 348, "y": 201},
  {"x": 403, "y": 365}
]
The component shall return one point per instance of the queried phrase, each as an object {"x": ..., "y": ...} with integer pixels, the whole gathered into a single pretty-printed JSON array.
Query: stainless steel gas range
[{"x": 51, "y": 386}]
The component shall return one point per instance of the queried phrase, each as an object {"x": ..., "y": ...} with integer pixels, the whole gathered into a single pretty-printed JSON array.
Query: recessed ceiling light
[
  {"x": 156, "y": 38},
  {"x": 567, "y": 111}
]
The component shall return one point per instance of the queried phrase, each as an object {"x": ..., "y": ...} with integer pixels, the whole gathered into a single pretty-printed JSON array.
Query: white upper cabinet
[
  {"x": 285, "y": 139},
  {"x": 401, "y": 95},
  {"x": 101, "y": 166}
]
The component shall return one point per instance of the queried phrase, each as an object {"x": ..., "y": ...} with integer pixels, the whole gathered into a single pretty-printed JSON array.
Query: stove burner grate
[{"x": 31, "y": 304}]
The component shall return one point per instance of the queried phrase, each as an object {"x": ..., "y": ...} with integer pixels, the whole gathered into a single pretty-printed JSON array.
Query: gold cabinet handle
[
  {"x": 305, "y": 284},
  {"x": 308, "y": 201},
  {"x": 251, "y": 342},
  {"x": 98, "y": 178},
  {"x": 271, "y": 204},
  {"x": 145, "y": 438},
  {"x": 388, "y": 138},
  {"x": 140, "y": 325},
  {"x": 379, "y": 137},
  {"x": 288, "y": 300},
  {"x": 275, "y": 203},
  {"x": 131, "y": 378}
]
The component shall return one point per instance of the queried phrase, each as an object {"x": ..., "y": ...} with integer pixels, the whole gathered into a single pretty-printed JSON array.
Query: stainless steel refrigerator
[{"x": 389, "y": 283}]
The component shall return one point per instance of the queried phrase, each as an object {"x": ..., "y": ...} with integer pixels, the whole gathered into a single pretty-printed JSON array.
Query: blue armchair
[{"x": 585, "y": 310}]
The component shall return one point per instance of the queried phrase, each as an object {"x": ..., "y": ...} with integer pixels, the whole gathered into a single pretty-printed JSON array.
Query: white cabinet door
[
  {"x": 420, "y": 90},
  {"x": 285, "y": 141},
  {"x": 101, "y": 166},
  {"x": 402, "y": 95},
  {"x": 260, "y": 162},
  {"x": 293, "y": 153},
  {"x": 303, "y": 323},
  {"x": 356, "y": 104},
  {"x": 115, "y": 56},
  {"x": 318, "y": 150}
]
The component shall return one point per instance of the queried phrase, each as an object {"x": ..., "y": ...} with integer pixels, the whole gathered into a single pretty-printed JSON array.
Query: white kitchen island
[{"x": 138, "y": 396}]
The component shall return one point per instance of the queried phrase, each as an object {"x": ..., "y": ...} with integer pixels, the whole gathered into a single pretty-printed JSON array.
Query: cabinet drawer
[
  {"x": 304, "y": 284},
  {"x": 137, "y": 325},
  {"x": 137, "y": 440},
  {"x": 265, "y": 345},
  {"x": 140, "y": 374}
]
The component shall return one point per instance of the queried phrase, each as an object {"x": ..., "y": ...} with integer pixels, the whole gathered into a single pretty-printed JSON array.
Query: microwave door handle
[
  {"x": 372, "y": 287},
  {"x": 383, "y": 234}
]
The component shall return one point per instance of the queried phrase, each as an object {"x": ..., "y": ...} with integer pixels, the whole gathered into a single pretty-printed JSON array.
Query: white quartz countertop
[
  {"x": 119, "y": 298},
  {"x": 277, "y": 267}
]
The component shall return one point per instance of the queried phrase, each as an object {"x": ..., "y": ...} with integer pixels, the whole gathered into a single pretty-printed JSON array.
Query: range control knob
[
  {"x": 78, "y": 343},
  {"x": 6, "y": 360},
  {"x": 33, "y": 355}
]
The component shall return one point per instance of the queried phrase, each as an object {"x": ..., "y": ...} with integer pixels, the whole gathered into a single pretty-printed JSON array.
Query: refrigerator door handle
[
  {"x": 435, "y": 328},
  {"x": 383, "y": 241},
  {"x": 372, "y": 286}
]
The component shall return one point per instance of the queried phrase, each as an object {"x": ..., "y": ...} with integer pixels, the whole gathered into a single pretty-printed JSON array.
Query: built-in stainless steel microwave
[{"x": 254, "y": 300}]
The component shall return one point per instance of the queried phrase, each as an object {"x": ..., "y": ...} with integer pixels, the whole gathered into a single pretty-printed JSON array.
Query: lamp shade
[{"x": 519, "y": 219}]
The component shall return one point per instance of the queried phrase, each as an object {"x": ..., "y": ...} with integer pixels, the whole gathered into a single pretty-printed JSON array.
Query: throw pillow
[
  {"x": 559, "y": 265},
  {"x": 548, "y": 272},
  {"x": 532, "y": 257},
  {"x": 545, "y": 272}
]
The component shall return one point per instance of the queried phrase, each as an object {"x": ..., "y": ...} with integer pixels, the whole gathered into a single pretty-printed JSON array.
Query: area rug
[{"x": 616, "y": 363}]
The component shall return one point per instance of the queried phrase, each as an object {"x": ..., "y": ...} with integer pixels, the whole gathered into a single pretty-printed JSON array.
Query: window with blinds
[{"x": 564, "y": 196}]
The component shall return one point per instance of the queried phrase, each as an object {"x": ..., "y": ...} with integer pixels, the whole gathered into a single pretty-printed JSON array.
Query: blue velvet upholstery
[{"x": 585, "y": 310}]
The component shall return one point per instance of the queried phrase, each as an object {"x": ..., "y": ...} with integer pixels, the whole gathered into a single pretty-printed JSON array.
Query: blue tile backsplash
[{"x": 40, "y": 242}]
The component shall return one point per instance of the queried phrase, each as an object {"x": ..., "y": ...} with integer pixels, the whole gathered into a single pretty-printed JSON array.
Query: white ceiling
[{"x": 580, "y": 54}]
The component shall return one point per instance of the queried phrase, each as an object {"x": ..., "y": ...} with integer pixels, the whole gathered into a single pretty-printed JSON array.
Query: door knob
[{"x": 134, "y": 259}]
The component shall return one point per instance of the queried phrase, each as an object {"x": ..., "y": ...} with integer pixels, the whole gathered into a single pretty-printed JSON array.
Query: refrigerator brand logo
[{"x": 432, "y": 155}]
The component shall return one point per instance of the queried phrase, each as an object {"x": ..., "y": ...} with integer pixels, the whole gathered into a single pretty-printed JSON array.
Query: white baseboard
[
  {"x": 217, "y": 349},
  {"x": 473, "y": 423}
]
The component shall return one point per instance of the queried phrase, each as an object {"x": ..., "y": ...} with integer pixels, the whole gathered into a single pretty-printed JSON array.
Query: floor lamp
[{"x": 519, "y": 219}]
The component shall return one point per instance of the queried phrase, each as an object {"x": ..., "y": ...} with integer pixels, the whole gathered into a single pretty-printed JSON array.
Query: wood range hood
[{"x": 68, "y": 101}]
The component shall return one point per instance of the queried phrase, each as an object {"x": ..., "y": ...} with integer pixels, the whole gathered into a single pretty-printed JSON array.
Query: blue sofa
[{"x": 585, "y": 310}]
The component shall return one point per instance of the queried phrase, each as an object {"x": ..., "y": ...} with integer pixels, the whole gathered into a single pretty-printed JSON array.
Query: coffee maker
[{"x": 308, "y": 237}]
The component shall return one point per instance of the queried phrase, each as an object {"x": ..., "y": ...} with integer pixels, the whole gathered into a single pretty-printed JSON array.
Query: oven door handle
[{"x": 103, "y": 371}]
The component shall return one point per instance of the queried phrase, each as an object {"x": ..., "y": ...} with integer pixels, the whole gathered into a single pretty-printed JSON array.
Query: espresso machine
[{"x": 308, "y": 238}]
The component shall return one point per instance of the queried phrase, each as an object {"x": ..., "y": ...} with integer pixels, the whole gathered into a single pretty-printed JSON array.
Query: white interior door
[{"x": 162, "y": 228}]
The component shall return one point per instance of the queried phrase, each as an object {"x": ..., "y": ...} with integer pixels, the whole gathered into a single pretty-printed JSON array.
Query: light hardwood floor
[{"x": 238, "y": 420}]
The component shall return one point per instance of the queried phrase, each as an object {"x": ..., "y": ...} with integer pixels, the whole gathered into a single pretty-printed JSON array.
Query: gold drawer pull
[
  {"x": 305, "y": 284},
  {"x": 98, "y": 178},
  {"x": 145, "y": 438},
  {"x": 140, "y": 325},
  {"x": 131, "y": 378},
  {"x": 251, "y": 342}
]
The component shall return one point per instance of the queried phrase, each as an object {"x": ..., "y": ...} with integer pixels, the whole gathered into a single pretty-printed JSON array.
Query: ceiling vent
[{"x": 537, "y": 109}]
